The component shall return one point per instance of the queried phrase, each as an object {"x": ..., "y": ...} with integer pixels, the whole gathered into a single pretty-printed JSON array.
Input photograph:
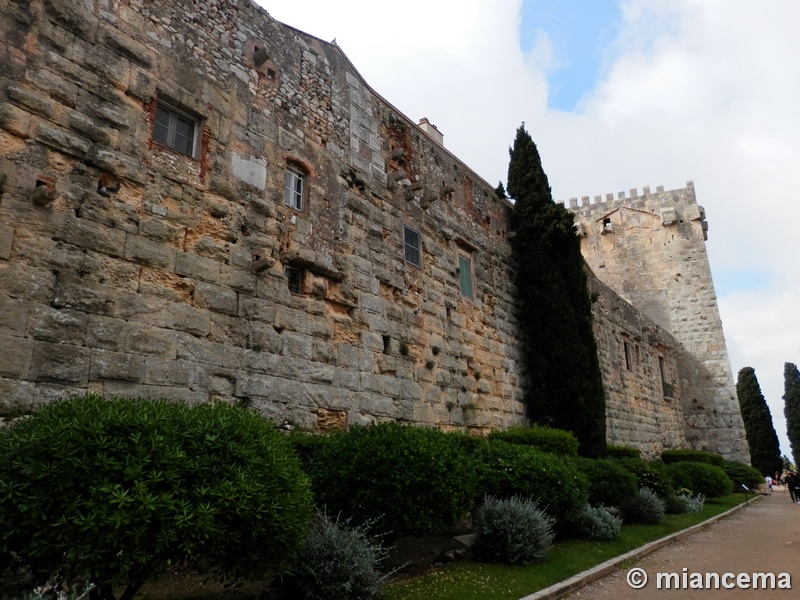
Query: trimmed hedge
[
  {"x": 682, "y": 455},
  {"x": 706, "y": 479},
  {"x": 554, "y": 483},
  {"x": 395, "y": 479},
  {"x": 742, "y": 474},
  {"x": 610, "y": 484},
  {"x": 113, "y": 490},
  {"x": 618, "y": 452},
  {"x": 541, "y": 437},
  {"x": 652, "y": 475}
]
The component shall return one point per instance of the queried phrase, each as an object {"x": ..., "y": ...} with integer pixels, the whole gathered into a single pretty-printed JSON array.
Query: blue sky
[
  {"x": 617, "y": 95},
  {"x": 582, "y": 33}
]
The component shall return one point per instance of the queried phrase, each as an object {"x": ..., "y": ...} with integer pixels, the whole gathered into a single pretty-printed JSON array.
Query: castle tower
[{"x": 650, "y": 249}]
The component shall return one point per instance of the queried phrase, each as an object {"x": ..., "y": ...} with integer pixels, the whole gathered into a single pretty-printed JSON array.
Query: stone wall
[
  {"x": 650, "y": 248},
  {"x": 129, "y": 268}
]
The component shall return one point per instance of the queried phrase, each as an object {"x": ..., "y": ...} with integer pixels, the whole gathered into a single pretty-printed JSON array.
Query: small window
[
  {"x": 176, "y": 129},
  {"x": 628, "y": 361},
  {"x": 294, "y": 277},
  {"x": 294, "y": 184},
  {"x": 465, "y": 273},
  {"x": 411, "y": 241}
]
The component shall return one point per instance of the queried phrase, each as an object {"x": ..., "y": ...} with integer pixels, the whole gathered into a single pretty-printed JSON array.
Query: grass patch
[{"x": 469, "y": 580}]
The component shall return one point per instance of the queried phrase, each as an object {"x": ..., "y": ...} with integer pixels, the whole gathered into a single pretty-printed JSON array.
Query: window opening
[
  {"x": 627, "y": 348},
  {"x": 175, "y": 129},
  {"x": 412, "y": 245},
  {"x": 294, "y": 277},
  {"x": 666, "y": 387},
  {"x": 465, "y": 273},
  {"x": 293, "y": 188}
]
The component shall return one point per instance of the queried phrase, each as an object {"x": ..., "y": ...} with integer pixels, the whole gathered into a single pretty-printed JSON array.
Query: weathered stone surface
[{"x": 182, "y": 273}]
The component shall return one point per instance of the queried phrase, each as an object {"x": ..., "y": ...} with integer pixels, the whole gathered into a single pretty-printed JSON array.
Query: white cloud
[{"x": 707, "y": 91}]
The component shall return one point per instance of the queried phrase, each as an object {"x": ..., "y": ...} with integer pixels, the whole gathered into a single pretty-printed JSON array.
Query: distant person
[
  {"x": 768, "y": 480},
  {"x": 791, "y": 480}
]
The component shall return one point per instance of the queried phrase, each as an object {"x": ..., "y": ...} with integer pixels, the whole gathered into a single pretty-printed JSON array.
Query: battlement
[{"x": 634, "y": 199}]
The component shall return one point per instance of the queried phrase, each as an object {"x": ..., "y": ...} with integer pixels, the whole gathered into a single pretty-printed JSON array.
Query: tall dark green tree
[
  {"x": 560, "y": 354},
  {"x": 765, "y": 449},
  {"x": 791, "y": 407}
]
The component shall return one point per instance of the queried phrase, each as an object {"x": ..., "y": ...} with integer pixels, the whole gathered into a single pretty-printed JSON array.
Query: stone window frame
[
  {"x": 164, "y": 107},
  {"x": 408, "y": 245},
  {"x": 626, "y": 350},
  {"x": 296, "y": 170},
  {"x": 663, "y": 373}
]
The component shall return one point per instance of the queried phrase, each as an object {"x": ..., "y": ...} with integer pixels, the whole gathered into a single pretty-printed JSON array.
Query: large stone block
[
  {"x": 13, "y": 316},
  {"x": 215, "y": 297},
  {"x": 150, "y": 252},
  {"x": 116, "y": 365},
  {"x": 54, "y": 325},
  {"x": 16, "y": 356},
  {"x": 16, "y": 397},
  {"x": 60, "y": 363}
]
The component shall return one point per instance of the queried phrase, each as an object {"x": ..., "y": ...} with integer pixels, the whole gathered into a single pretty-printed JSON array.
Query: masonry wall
[
  {"x": 128, "y": 268},
  {"x": 650, "y": 248}
]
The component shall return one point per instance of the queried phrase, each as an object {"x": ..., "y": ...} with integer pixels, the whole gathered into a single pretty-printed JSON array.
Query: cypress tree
[
  {"x": 791, "y": 407},
  {"x": 765, "y": 450},
  {"x": 565, "y": 388}
]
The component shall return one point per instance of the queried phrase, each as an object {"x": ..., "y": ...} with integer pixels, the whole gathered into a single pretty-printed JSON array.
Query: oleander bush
[
  {"x": 556, "y": 484},
  {"x": 613, "y": 451},
  {"x": 339, "y": 562},
  {"x": 706, "y": 479},
  {"x": 512, "y": 531},
  {"x": 400, "y": 479},
  {"x": 596, "y": 523},
  {"x": 306, "y": 445},
  {"x": 682, "y": 455},
  {"x": 652, "y": 475},
  {"x": 541, "y": 437},
  {"x": 741, "y": 474},
  {"x": 112, "y": 490},
  {"x": 645, "y": 508},
  {"x": 610, "y": 484}
]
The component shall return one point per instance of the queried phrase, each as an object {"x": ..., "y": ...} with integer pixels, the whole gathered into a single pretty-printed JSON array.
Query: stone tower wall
[
  {"x": 650, "y": 248},
  {"x": 128, "y": 268}
]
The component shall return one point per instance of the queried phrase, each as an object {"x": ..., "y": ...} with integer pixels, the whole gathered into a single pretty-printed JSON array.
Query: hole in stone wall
[{"x": 387, "y": 344}]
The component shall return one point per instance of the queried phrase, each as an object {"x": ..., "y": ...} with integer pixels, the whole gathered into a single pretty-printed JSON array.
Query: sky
[{"x": 617, "y": 94}]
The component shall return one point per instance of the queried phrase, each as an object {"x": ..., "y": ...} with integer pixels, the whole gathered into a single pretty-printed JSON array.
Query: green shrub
[
  {"x": 306, "y": 445},
  {"x": 596, "y": 523},
  {"x": 674, "y": 504},
  {"x": 682, "y": 455},
  {"x": 706, "y": 479},
  {"x": 652, "y": 475},
  {"x": 692, "y": 504},
  {"x": 546, "y": 439},
  {"x": 741, "y": 474},
  {"x": 111, "y": 490},
  {"x": 400, "y": 479},
  {"x": 609, "y": 483},
  {"x": 554, "y": 483},
  {"x": 512, "y": 531},
  {"x": 622, "y": 452},
  {"x": 337, "y": 562},
  {"x": 645, "y": 508}
]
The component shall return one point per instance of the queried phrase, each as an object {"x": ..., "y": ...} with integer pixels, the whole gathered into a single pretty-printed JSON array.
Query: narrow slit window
[
  {"x": 176, "y": 129},
  {"x": 465, "y": 274},
  {"x": 412, "y": 246}
]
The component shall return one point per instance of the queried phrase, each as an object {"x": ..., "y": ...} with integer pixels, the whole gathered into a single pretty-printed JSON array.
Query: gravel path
[{"x": 762, "y": 538}]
